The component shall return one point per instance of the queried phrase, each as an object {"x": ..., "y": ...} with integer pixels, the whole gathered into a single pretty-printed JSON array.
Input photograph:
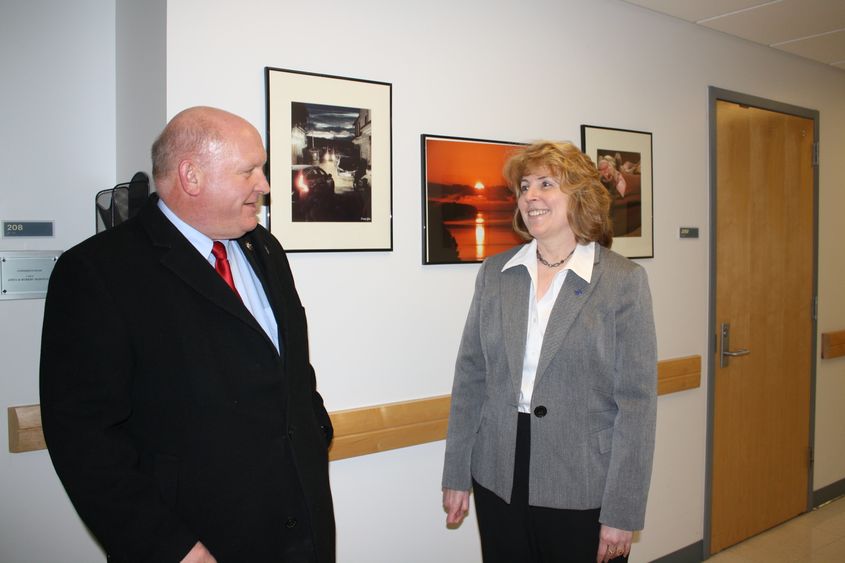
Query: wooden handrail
[
  {"x": 678, "y": 374},
  {"x": 25, "y": 434},
  {"x": 369, "y": 430},
  {"x": 378, "y": 428},
  {"x": 833, "y": 344}
]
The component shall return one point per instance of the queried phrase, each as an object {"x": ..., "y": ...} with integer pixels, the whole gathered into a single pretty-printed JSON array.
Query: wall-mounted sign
[
  {"x": 24, "y": 274},
  {"x": 27, "y": 228}
]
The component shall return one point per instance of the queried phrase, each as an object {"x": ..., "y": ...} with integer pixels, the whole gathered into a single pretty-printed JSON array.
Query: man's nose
[{"x": 263, "y": 185}]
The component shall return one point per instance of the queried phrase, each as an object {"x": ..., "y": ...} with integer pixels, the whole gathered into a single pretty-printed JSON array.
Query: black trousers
[{"x": 520, "y": 533}]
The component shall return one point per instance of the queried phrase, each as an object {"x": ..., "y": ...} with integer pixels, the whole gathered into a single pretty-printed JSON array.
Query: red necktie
[{"x": 221, "y": 264}]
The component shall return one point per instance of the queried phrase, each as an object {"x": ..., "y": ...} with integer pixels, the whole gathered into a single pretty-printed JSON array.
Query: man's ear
[{"x": 189, "y": 177}]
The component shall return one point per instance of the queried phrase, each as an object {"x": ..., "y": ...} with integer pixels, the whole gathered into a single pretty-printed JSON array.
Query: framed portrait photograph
[
  {"x": 624, "y": 160},
  {"x": 329, "y": 140},
  {"x": 467, "y": 206}
]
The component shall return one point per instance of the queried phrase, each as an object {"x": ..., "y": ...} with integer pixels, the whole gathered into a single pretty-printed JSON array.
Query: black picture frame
[
  {"x": 330, "y": 139},
  {"x": 624, "y": 158},
  {"x": 467, "y": 207}
]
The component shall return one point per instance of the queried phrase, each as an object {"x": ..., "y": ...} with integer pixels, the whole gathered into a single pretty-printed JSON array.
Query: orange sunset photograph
[{"x": 469, "y": 207}]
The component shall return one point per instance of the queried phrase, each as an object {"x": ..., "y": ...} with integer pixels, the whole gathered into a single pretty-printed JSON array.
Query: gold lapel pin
[{"x": 249, "y": 246}]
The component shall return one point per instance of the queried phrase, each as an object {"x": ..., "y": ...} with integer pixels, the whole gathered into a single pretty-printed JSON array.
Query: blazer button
[
  {"x": 540, "y": 411},
  {"x": 290, "y": 523}
]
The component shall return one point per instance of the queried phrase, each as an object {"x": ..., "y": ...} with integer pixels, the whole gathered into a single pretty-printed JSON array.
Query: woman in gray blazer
[{"x": 554, "y": 399}]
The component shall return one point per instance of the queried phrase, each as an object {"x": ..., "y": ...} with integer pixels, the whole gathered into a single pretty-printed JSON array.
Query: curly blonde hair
[{"x": 588, "y": 211}]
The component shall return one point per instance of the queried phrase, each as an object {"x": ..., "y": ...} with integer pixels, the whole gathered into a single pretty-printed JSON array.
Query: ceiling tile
[
  {"x": 775, "y": 22},
  {"x": 695, "y": 10},
  {"x": 827, "y": 48},
  {"x": 812, "y": 29}
]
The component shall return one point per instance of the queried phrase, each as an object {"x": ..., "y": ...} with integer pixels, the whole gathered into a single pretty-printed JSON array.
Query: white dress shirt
[
  {"x": 246, "y": 281},
  {"x": 540, "y": 310}
]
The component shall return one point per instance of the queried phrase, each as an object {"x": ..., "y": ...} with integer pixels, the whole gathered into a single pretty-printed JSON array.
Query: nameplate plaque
[{"x": 25, "y": 274}]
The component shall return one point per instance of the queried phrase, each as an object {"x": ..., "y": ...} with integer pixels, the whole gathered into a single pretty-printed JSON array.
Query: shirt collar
[
  {"x": 523, "y": 257},
  {"x": 581, "y": 262},
  {"x": 199, "y": 241}
]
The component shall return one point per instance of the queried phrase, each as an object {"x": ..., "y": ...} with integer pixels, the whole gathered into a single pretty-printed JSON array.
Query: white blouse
[{"x": 540, "y": 310}]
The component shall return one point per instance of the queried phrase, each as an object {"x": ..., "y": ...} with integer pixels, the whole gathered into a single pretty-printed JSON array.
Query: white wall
[
  {"x": 383, "y": 327},
  {"x": 140, "y": 50},
  {"x": 57, "y": 139},
  {"x": 502, "y": 70}
]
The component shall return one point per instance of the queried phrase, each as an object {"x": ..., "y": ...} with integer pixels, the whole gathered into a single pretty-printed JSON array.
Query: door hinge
[
  {"x": 814, "y": 307},
  {"x": 815, "y": 154},
  {"x": 810, "y": 458}
]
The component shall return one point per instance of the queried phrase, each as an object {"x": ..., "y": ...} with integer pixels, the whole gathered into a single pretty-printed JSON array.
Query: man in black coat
[{"x": 181, "y": 413}]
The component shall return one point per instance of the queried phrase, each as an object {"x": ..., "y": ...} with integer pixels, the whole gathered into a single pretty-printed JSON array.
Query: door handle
[{"x": 725, "y": 352}]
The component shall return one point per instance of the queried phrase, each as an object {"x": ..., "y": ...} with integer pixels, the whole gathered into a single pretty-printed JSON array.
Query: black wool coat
[{"x": 168, "y": 413}]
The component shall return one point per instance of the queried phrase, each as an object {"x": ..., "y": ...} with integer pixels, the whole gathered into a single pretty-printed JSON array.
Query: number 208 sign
[{"x": 27, "y": 228}]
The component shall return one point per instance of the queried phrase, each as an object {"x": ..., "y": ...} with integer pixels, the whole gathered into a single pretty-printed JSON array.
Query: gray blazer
[{"x": 597, "y": 379}]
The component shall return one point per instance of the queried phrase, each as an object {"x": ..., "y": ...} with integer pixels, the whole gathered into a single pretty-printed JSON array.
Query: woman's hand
[
  {"x": 613, "y": 543},
  {"x": 456, "y": 505}
]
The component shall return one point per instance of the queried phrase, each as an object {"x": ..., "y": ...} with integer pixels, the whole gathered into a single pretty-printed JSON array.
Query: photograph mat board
[
  {"x": 604, "y": 139},
  {"x": 285, "y": 87}
]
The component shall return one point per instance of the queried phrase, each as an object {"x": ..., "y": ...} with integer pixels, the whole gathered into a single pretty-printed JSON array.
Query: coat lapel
[
  {"x": 252, "y": 251},
  {"x": 179, "y": 256},
  {"x": 571, "y": 299},
  {"x": 258, "y": 255},
  {"x": 515, "y": 290}
]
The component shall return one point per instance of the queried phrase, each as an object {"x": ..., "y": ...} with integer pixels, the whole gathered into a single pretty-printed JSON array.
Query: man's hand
[
  {"x": 613, "y": 543},
  {"x": 199, "y": 554},
  {"x": 456, "y": 505}
]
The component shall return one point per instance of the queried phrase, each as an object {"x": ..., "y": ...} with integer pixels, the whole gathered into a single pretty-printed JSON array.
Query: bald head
[
  {"x": 203, "y": 157},
  {"x": 190, "y": 134}
]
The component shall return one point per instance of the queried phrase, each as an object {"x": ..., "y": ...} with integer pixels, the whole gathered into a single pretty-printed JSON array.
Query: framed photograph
[
  {"x": 330, "y": 139},
  {"x": 467, "y": 206},
  {"x": 624, "y": 161}
]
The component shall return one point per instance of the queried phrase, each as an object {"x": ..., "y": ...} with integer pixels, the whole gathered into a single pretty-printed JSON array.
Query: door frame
[{"x": 716, "y": 94}]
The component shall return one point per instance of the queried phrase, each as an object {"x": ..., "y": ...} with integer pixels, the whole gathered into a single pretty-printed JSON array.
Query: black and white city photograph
[
  {"x": 330, "y": 139},
  {"x": 330, "y": 170}
]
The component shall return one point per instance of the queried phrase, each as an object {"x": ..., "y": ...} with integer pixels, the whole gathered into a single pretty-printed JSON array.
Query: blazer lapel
[
  {"x": 571, "y": 299},
  {"x": 258, "y": 255},
  {"x": 180, "y": 257},
  {"x": 515, "y": 290},
  {"x": 252, "y": 252}
]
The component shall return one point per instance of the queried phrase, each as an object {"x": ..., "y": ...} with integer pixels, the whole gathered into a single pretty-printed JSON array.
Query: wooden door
[{"x": 764, "y": 291}]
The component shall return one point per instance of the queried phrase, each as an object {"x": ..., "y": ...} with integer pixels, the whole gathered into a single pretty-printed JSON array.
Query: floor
[{"x": 818, "y": 536}]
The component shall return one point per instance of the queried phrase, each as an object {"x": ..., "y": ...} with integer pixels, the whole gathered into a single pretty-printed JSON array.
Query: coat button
[
  {"x": 290, "y": 433},
  {"x": 290, "y": 523},
  {"x": 540, "y": 411}
]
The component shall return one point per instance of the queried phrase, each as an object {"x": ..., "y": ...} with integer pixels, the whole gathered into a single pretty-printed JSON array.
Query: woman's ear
[{"x": 189, "y": 177}]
